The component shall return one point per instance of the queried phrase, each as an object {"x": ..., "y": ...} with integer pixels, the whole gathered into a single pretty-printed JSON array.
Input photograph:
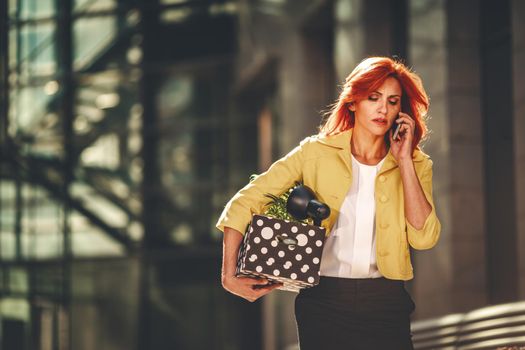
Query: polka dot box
[{"x": 265, "y": 252}]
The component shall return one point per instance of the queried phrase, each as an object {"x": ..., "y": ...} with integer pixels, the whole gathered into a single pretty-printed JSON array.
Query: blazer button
[
  {"x": 383, "y": 199},
  {"x": 384, "y": 225},
  {"x": 382, "y": 178},
  {"x": 383, "y": 253}
]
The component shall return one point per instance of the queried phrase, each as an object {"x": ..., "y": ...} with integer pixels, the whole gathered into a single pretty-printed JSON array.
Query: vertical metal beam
[
  {"x": 151, "y": 172},
  {"x": 18, "y": 214},
  {"x": 498, "y": 115},
  {"x": 67, "y": 86},
  {"x": 153, "y": 229}
]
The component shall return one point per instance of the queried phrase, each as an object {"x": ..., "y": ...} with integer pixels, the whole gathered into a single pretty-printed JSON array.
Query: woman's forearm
[
  {"x": 417, "y": 207},
  {"x": 230, "y": 249}
]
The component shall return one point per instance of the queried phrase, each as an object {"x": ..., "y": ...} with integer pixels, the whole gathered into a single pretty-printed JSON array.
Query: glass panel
[
  {"x": 176, "y": 15},
  {"x": 13, "y": 47},
  {"x": 31, "y": 9},
  {"x": 42, "y": 219},
  {"x": 18, "y": 281},
  {"x": 8, "y": 242},
  {"x": 93, "y": 5},
  {"x": 108, "y": 140},
  {"x": 15, "y": 308},
  {"x": 48, "y": 279},
  {"x": 93, "y": 37},
  {"x": 33, "y": 119},
  {"x": 192, "y": 111},
  {"x": 171, "y": 2},
  {"x": 90, "y": 241},
  {"x": 32, "y": 50},
  {"x": 7, "y": 219}
]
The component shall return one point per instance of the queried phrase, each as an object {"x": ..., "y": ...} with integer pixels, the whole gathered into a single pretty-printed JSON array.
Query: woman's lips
[{"x": 380, "y": 121}]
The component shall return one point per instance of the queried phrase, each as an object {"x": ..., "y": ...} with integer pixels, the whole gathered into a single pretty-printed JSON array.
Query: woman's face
[{"x": 377, "y": 112}]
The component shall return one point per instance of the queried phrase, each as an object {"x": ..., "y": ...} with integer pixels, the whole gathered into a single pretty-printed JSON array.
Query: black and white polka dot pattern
[{"x": 263, "y": 254}]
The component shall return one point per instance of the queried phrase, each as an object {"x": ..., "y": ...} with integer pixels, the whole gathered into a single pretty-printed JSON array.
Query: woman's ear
[{"x": 351, "y": 106}]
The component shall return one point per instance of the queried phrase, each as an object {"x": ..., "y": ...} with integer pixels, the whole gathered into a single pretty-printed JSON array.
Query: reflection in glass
[
  {"x": 33, "y": 123},
  {"x": 29, "y": 108},
  {"x": 31, "y": 9},
  {"x": 103, "y": 153},
  {"x": 108, "y": 174},
  {"x": 15, "y": 308},
  {"x": 32, "y": 50},
  {"x": 92, "y": 38},
  {"x": 98, "y": 204},
  {"x": 93, "y": 5},
  {"x": 175, "y": 96},
  {"x": 7, "y": 219},
  {"x": 176, "y": 15},
  {"x": 90, "y": 241},
  {"x": 41, "y": 225},
  {"x": 182, "y": 234}
]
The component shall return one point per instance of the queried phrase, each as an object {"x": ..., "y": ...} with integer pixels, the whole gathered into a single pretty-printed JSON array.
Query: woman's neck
[{"x": 367, "y": 148}]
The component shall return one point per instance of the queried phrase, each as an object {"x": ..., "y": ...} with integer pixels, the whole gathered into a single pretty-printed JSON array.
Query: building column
[
  {"x": 427, "y": 50},
  {"x": 518, "y": 74},
  {"x": 498, "y": 147},
  {"x": 444, "y": 49}
]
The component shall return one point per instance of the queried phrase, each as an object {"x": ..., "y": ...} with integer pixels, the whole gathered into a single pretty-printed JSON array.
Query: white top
[{"x": 350, "y": 250}]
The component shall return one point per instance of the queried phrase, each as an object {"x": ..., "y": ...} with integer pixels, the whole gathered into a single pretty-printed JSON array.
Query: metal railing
[{"x": 500, "y": 326}]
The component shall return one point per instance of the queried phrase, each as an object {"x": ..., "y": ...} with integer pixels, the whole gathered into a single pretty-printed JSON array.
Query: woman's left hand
[{"x": 402, "y": 147}]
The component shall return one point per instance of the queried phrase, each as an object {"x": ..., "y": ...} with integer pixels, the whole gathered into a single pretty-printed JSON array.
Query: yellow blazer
[{"x": 323, "y": 163}]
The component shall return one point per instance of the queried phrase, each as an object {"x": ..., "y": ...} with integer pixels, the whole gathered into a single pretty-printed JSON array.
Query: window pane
[
  {"x": 31, "y": 9},
  {"x": 108, "y": 141},
  {"x": 42, "y": 219},
  {"x": 7, "y": 219},
  {"x": 93, "y": 5},
  {"x": 33, "y": 121},
  {"x": 32, "y": 49},
  {"x": 192, "y": 111},
  {"x": 90, "y": 241},
  {"x": 92, "y": 38}
]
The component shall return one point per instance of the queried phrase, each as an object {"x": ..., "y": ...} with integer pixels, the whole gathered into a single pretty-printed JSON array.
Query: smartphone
[{"x": 396, "y": 128}]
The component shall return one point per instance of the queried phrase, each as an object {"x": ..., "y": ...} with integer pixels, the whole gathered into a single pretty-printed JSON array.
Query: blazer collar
[{"x": 342, "y": 141}]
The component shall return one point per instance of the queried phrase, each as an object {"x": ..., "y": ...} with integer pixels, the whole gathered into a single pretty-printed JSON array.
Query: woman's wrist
[{"x": 405, "y": 162}]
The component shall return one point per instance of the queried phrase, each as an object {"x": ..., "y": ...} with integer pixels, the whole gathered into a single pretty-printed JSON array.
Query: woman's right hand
[{"x": 248, "y": 288}]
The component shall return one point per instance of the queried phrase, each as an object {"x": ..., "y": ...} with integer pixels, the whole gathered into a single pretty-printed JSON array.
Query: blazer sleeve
[
  {"x": 251, "y": 198},
  {"x": 428, "y": 235}
]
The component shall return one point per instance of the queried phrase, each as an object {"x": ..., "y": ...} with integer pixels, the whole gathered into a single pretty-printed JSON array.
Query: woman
[{"x": 379, "y": 189}]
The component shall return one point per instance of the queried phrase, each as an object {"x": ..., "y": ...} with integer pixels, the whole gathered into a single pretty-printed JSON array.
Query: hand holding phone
[{"x": 396, "y": 127}]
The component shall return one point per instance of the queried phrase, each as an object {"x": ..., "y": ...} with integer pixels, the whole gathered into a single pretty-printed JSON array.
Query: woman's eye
[
  {"x": 393, "y": 103},
  {"x": 373, "y": 98}
]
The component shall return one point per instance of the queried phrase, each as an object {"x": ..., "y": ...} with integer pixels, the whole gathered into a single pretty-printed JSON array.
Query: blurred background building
[{"x": 126, "y": 125}]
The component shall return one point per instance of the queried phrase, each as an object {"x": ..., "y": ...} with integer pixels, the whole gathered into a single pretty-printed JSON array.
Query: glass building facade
[{"x": 117, "y": 142}]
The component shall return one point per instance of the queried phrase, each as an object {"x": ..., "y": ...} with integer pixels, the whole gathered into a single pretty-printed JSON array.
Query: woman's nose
[{"x": 382, "y": 107}]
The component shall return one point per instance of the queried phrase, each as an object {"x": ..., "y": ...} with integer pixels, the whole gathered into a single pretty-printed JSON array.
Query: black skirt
[{"x": 343, "y": 313}]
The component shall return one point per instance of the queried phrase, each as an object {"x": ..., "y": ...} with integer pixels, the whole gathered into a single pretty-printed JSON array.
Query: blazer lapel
[
  {"x": 341, "y": 141},
  {"x": 389, "y": 163}
]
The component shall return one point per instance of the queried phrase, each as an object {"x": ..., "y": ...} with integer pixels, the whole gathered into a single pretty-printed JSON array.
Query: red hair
[{"x": 368, "y": 76}]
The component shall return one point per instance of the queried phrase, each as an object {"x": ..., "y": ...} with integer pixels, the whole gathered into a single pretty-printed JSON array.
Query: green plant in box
[{"x": 276, "y": 207}]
